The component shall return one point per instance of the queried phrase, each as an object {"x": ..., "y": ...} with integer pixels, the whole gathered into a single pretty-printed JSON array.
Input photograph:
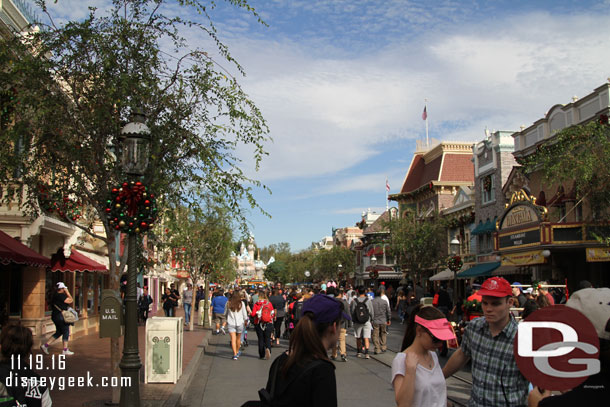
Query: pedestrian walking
[
  {"x": 401, "y": 306},
  {"x": 144, "y": 304},
  {"x": 219, "y": 303},
  {"x": 176, "y": 296},
  {"x": 417, "y": 376},
  {"x": 263, "y": 313},
  {"x": 304, "y": 376},
  {"x": 187, "y": 303},
  {"x": 237, "y": 318},
  {"x": 244, "y": 333},
  {"x": 381, "y": 320},
  {"x": 279, "y": 304},
  {"x": 344, "y": 323},
  {"x": 488, "y": 341},
  {"x": 362, "y": 314},
  {"x": 168, "y": 302},
  {"x": 60, "y": 302},
  {"x": 25, "y": 387}
]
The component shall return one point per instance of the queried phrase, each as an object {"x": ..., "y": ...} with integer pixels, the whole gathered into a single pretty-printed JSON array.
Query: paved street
[{"x": 221, "y": 381}]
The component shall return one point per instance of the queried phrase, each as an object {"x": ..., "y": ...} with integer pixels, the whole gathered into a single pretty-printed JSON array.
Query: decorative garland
[
  {"x": 536, "y": 286},
  {"x": 65, "y": 207},
  {"x": 455, "y": 263},
  {"x": 131, "y": 209},
  {"x": 472, "y": 306}
]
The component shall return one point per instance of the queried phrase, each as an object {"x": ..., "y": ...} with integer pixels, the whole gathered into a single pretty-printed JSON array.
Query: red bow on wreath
[{"x": 132, "y": 197}]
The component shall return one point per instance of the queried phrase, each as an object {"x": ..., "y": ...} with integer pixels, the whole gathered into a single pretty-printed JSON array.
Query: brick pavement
[{"x": 92, "y": 355}]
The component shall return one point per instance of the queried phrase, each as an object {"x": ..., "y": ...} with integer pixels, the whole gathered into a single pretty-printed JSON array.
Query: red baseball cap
[{"x": 496, "y": 287}]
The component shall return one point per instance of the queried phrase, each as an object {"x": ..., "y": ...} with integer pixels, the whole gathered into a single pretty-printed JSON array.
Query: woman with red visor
[{"x": 417, "y": 376}]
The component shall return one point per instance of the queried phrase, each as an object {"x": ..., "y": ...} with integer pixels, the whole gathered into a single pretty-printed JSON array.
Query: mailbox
[{"x": 111, "y": 314}]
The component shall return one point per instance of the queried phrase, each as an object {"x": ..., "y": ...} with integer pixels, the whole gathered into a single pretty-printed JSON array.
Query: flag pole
[
  {"x": 426, "y": 120},
  {"x": 387, "y": 190}
]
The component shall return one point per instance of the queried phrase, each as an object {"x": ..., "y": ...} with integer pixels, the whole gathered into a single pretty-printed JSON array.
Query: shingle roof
[
  {"x": 455, "y": 167},
  {"x": 379, "y": 226}
]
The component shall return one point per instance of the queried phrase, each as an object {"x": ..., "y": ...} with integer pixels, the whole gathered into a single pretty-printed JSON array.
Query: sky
[{"x": 343, "y": 83}]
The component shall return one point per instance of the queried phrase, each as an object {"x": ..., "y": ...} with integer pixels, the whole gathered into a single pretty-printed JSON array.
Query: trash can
[{"x": 164, "y": 348}]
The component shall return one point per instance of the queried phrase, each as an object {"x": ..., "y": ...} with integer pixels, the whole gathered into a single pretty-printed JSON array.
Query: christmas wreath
[
  {"x": 373, "y": 274},
  {"x": 455, "y": 263},
  {"x": 131, "y": 208}
]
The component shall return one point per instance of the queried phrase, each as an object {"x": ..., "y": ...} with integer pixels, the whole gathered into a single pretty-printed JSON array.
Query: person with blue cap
[
  {"x": 304, "y": 375},
  {"x": 518, "y": 293}
]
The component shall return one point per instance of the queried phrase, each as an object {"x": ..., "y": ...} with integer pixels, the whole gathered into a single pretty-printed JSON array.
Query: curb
[{"x": 175, "y": 398}]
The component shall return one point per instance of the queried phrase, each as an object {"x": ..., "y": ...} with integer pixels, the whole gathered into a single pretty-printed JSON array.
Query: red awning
[
  {"x": 377, "y": 251},
  {"x": 13, "y": 251},
  {"x": 76, "y": 262}
]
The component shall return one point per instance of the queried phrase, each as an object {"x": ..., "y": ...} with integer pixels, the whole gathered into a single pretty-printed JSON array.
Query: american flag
[
  {"x": 387, "y": 185},
  {"x": 424, "y": 115}
]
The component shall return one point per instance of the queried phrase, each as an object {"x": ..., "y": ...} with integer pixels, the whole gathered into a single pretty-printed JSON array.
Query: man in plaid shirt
[{"x": 488, "y": 341}]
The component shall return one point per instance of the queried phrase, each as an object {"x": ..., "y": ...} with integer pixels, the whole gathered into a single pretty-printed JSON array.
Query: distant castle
[{"x": 247, "y": 267}]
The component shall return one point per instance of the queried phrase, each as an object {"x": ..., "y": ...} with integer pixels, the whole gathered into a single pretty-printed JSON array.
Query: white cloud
[{"x": 329, "y": 114}]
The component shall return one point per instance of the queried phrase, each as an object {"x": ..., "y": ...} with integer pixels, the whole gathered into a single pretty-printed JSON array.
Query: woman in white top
[
  {"x": 237, "y": 317},
  {"x": 417, "y": 376}
]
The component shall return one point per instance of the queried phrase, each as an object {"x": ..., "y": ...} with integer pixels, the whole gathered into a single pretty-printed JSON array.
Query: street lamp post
[
  {"x": 339, "y": 269},
  {"x": 374, "y": 270},
  {"x": 206, "y": 272},
  {"x": 134, "y": 161},
  {"x": 455, "y": 248}
]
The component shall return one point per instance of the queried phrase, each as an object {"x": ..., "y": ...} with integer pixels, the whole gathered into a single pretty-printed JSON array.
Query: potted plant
[{"x": 473, "y": 309}]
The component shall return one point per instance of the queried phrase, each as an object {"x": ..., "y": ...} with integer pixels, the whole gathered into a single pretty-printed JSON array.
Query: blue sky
[{"x": 342, "y": 85}]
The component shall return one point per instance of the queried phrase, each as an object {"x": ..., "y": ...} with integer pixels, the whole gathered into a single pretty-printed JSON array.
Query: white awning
[{"x": 443, "y": 275}]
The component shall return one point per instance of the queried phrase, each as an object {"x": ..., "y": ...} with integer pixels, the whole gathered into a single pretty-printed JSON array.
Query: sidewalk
[{"x": 92, "y": 357}]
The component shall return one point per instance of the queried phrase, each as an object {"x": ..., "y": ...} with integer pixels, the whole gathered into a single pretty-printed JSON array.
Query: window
[
  {"x": 578, "y": 213},
  {"x": 487, "y": 189},
  {"x": 562, "y": 212}
]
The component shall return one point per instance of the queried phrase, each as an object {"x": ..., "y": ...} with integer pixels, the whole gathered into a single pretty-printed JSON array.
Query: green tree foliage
[
  {"x": 279, "y": 251},
  {"x": 202, "y": 237},
  {"x": 577, "y": 157},
  {"x": 276, "y": 272},
  {"x": 72, "y": 88},
  {"x": 417, "y": 244},
  {"x": 327, "y": 263}
]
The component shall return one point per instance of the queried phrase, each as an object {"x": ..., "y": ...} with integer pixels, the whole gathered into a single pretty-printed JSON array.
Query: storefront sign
[
  {"x": 519, "y": 215},
  {"x": 519, "y": 238},
  {"x": 597, "y": 254},
  {"x": 523, "y": 259}
]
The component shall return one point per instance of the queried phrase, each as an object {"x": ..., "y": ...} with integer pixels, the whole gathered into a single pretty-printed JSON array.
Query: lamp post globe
[
  {"x": 454, "y": 247},
  {"x": 136, "y": 147}
]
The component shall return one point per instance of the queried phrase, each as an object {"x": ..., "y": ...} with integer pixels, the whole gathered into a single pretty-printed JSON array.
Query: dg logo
[{"x": 557, "y": 348}]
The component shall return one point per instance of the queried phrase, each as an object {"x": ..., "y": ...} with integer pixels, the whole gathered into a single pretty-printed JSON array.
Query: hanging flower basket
[{"x": 131, "y": 208}]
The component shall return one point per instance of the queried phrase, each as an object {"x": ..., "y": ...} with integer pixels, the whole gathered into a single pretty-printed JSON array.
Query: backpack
[
  {"x": 361, "y": 312},
  {"x": 297, "y": 311},
  {"x": 265, "y": 313}
]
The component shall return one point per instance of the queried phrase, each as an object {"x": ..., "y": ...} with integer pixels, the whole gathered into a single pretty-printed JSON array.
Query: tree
[
  {"x": 416, "y": 243},
  {"x": 277, "y": 251},
  {"x": 578, "y": 157},
  {"x": 276, "y": 271},
  {"x": 203, "y": 236},
  {"x": 327, "y": 262},
  {"x": 68, "y": 90}
]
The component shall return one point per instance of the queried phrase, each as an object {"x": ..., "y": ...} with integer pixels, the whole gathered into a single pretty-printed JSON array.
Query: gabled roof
[
  {"x": 447, "y": 162},
  {"x": 379, "y": 225}
]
